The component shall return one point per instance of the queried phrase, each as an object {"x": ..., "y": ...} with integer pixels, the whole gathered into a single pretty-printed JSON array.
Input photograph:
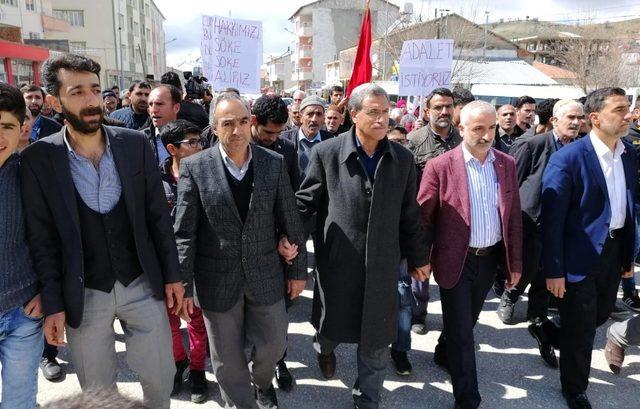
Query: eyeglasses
[{"x": 193, "y": 143}]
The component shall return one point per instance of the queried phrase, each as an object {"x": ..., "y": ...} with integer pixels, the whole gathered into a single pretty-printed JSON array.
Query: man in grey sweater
[{"x": 20, "y": 312}]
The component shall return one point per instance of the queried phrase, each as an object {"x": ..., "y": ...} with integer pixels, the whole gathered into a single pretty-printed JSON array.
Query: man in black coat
[
  {"x": 532, "y": 153},
  {"x": 42, "y": 126},
  {"x": 363, "y": 190},
  {"x": 164, "y": 106},
  {"x": 100, "y": 236}
]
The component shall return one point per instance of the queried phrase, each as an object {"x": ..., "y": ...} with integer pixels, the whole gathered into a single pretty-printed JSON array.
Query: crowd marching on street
[{"x": 154, "y": 207}]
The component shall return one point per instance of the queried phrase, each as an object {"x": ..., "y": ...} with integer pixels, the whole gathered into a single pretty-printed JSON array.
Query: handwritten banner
[
  {"x": 424, "y": 66},
  {"x": 232, "y": 53}
]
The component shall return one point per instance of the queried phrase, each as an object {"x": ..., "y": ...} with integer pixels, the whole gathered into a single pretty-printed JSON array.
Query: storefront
[{"x": 20, "y": 63}]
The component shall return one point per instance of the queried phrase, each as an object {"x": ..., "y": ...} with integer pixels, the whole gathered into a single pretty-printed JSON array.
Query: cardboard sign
[
  {"x": 424, "y": 66},
  {"x": 232, "y": 53}
]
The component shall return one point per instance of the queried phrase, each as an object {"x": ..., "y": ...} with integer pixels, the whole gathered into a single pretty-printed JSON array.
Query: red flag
[{"x": 362, "y": 65}]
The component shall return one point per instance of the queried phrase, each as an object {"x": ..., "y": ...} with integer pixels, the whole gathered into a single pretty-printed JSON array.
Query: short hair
[
  {"x": 334, "y": 108},
  {"x": 233, "y": 90},
  {"x": 270, "y": 108},
  {"x": 399, "y": 129},
  {"x": 544, "y": 110},
  {"x": 139, "y": 84},
  {"x": 96, "y": 398},
  {"x": 176, "y": 94},
  {"x": 171, "y": 78},
  {"x": 363, "y": 91},
  {"x": 176, "y": 130},
  {"x": 476, "y": 106},
  {"x": 294, "y": 105},
  {"x": 226, "y": 96},
  {"x": 407, "y": 119},
  {"x": 12, "y": 101},
  {"x": 562, "y": 106},
  {"x": 115, "y": 87},
  {"x": 32, "y": 88},
  {"x": 525, "y": 99},
  {"x": 443, "y": 92},
  {"x": 462, "y": 96},
  {"x": 596, "y": 100},
  {"x": 71, "y": 62},
  {"x": 336, "y": 88}
]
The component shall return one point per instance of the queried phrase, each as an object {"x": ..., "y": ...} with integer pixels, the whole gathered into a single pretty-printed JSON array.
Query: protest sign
[
  {"x": 424, "y": 66},
  {"x": 232, "y": 53}
]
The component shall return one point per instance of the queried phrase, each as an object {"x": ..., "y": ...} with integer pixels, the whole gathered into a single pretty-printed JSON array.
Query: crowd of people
[{"x": 155, "y": 209}]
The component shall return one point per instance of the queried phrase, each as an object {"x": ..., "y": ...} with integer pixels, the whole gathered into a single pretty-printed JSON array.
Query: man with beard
[
  {"x": 471, "y": 207},
  {"x": 164, "y": 106},
  {"x": 135, "y": 116},
  {"x": 506, "y": 131},
  {"x": 42, "y": 126},
  {"x": 100, "y": 236},
  {"x": 110, "y": 103},
  {"x": 525, "y": 115}
]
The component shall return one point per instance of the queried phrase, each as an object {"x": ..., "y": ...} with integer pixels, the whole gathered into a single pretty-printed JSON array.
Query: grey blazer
[{"x": 216, "y": 251}]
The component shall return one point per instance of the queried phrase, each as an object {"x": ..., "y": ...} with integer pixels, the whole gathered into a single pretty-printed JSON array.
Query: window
[
  {"x": 13, "y": 3},
  {"x": 75, "y": 18},
  {"x": 132, "y": 53},
  {"x": 148, "y": 35},
  {"x": 136, "y": 29},
  {"x": 146, "y": 9},
  {"x": 77, "y": 47},
  {"x": 30, "y": 5},
  {"x": 121, "y": 21},
  {"x": 130, "y": 25},
  {"x": 34, "y": 36}
]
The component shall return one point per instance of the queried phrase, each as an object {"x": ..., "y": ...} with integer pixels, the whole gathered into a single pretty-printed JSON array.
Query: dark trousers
[
  {"x": 405, "y": 303},
  {"x": 461, "y": 306},
  {"x": 420, "y": 292},
  {"x": 49, "y": 351},
  {"x": 586, "y": 305}
]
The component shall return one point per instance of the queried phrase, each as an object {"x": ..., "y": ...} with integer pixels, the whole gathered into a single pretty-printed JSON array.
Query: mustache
[{"x": 91, "y": 111}]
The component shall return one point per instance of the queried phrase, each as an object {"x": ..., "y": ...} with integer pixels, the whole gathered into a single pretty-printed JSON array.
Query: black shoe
[
  {"x": 419, "y": 328},
  {"x": 577, "y": 401},
  {"x": 178, "y": 378},
  {"x": 440, "y": 356},
  {"x": 284, "y": 378},
  {"x": 498, "y": 287},
  {"x": 327, "y": 364},
  {"x": 267, "y": 399},
  {"x": 632, "y": 301},
  {"x": 51, "y": 369},
  {"x": 618, "y": 313},
  {"x": 401, "y": 362},
  {"x": 547, "y": 352},
  {"x": 507, "y": 308},
  {"x": 199, "y": 388}
]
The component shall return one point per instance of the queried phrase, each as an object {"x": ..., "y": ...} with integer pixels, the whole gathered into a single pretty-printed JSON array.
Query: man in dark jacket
[
  {"x": 363, "y": 190},
  {"x": 42, "y": 126},
  {"x": 135, "y": 116},
  {"x": 164, "y": 105}
]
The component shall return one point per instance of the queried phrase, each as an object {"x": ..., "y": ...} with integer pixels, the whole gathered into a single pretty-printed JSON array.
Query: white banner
[
  {"x": 424, "y": 66},
  {"x": 232, "y": 53}
]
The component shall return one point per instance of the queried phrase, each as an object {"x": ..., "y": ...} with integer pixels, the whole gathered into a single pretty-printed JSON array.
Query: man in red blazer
[{"x": 471, "y": 208}]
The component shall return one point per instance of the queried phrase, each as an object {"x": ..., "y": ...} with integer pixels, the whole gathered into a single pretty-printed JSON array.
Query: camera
[{"x": 195, "y": 85}]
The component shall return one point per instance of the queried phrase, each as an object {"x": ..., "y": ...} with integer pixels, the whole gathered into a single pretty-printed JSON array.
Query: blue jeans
[
  {"x": 20, "y": 351},
  {"x": 403, "y": 342}
]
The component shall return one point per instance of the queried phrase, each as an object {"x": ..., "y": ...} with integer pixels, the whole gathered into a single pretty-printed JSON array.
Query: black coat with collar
[
  {"x": 53, "y": 225},
  {"x": 48, "y": 127},
  {"x": 288, "y": 152},
  {"x": 291, "y": 135}
]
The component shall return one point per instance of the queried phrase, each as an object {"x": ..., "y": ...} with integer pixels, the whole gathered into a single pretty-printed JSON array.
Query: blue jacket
[{"x": 576, "y": 210}]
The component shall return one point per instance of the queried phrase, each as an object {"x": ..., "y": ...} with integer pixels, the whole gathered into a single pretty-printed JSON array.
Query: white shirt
[
  {"x": 611, "y": 165},
  {"x": 482, "y": 180},
  {"x": 236, "y": 172}
]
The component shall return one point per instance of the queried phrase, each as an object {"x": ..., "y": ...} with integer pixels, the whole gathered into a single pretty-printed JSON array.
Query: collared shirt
[
  {"x": 315, "y": 139},
  {"x": 236, "y": 172},
  {"x": 483, "y": 200},
  {"x": 35, "y": 129},
  {"x": 611, "y": 165},
  {"x": 370, "y": 162},
  {"x": 557, "y": 141},
  {"x": 163, "y": 154},
  {"x": 99, "y": 188}
]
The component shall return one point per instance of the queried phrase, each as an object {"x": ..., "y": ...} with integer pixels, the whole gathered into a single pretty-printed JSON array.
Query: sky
[{"x": 183, "y": 20}]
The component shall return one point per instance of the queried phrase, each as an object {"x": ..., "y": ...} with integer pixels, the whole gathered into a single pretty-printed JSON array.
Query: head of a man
[
  {"x": 333, "y": 118},
  {"x": 461, "y": 97},
  {"x": 164, "y": 104},
  {"x": 567, "y": 118},
  {"x": 369, "y": 108},
  {"x": 27, "y": 127},
  {"x": 139, "y": 95},
  {"x": 525, "y": 111},
  {"x": 171, "y": 78},
  {"x": 398, "y": 134},
  {"x": 438, "y": 107},
  {"x": 396, "y": 114},
  {"x": 478, "y": 127},
  {"x": 311, "y": 115},
  {"x": 116, "y": 90},
  {"x": 110, "y": 101},
  {"x": 270, "y": 117},
  {"x": 507, "y": 118},
  {"x": 73, "y": 84},
  {"x": 12, "y": 115},
  {"x": 337, "y": 93},
  {"x": 181, "y": 138},
  {"x": 608, "y": 112},
  {"x": 34, "y": 98},
  {"x": 231, "y": 121},
  {"x": 544, "y": 110},
  {"x": 294, "y": 114},
  {"x": 298, "y": 96}
]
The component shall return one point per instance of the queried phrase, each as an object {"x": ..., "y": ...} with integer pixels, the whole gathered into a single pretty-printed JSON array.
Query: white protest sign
[
  {"x": 232, "y": 53},
  {"x": 424, "y": 66}
]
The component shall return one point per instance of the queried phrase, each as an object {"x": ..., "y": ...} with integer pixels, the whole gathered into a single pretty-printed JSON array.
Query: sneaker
[
  {"x": 267, "y": 399},
  {"x": 619, "y": 313},
  {"x": 199, "y": 388},
  {"x": 50, "y": 368},
  {"x": 178, "y": 378},
  {"x": 506, "y": 308},
  {"x": 632, "y": 301},
  {"x": 284, "y": 379},
  {"x": 401, "y": 362}
]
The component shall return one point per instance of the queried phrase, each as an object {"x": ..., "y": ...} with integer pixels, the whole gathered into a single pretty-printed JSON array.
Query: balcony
[
  {"x": 304, "y": 51},
  {"x": 304, "y": 30},
  {"x": 302, "y": 74},
  {"x": 50, "y": 23}
]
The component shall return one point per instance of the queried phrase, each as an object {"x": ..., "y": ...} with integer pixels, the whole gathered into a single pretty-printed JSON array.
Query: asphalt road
[{"x": 511, "y": 373}]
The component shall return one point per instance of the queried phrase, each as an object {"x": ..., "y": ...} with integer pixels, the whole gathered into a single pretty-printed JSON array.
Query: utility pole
[
  {"x": 120, "y": 48},
  {"x": 486, "y": 25}
]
